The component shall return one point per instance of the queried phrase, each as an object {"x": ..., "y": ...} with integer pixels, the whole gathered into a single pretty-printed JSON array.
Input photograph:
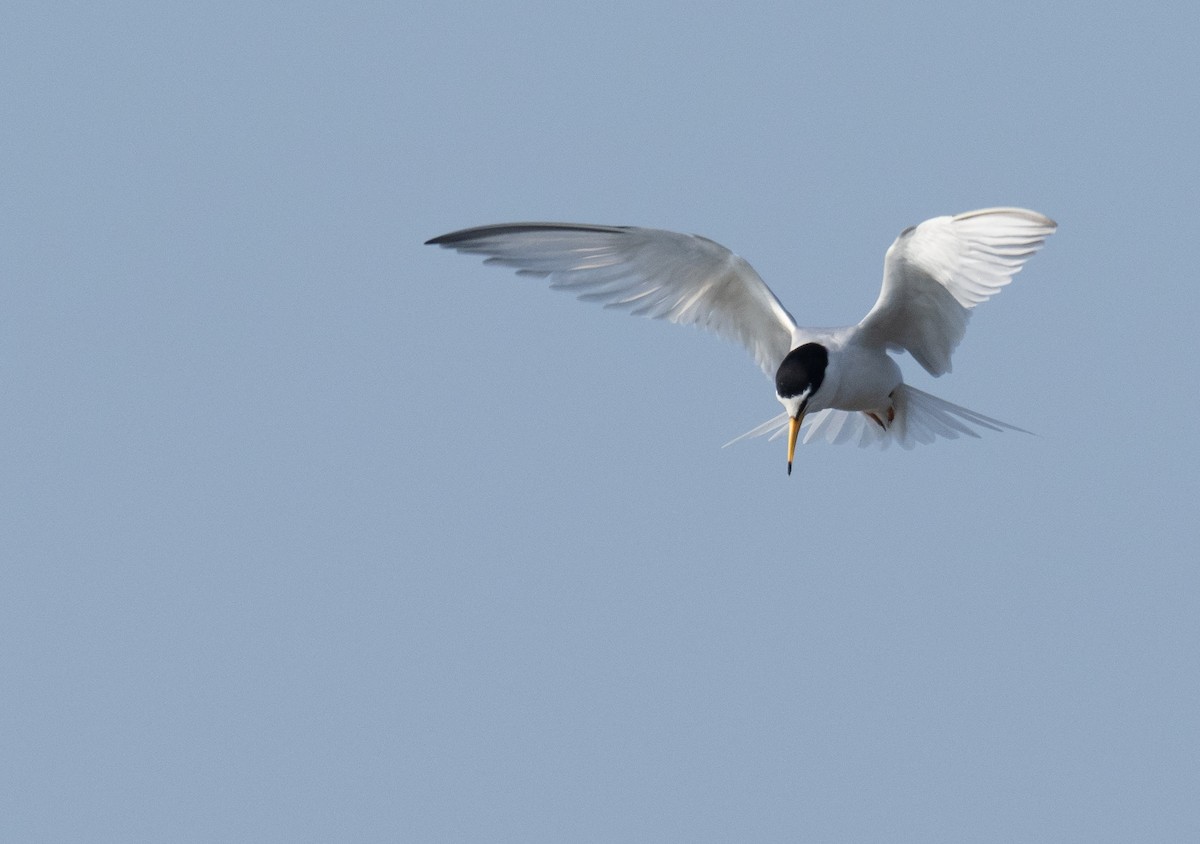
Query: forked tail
[{"x": 920, "y": 418}]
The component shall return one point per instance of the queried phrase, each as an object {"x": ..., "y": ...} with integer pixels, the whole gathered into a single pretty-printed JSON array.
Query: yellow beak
[{"x": 793, "y": 430}]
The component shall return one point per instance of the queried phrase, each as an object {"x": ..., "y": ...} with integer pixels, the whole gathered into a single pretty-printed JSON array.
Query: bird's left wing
[
  {"x": 660, "y": 274},
  {"x": 936, "y": 272}
]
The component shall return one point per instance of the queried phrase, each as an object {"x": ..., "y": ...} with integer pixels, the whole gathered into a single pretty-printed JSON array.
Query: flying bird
[{"x": 842, "y": 382}]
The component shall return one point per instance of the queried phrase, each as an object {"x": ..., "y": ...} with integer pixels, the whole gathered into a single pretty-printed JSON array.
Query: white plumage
[{"x": 934, "y": 274}]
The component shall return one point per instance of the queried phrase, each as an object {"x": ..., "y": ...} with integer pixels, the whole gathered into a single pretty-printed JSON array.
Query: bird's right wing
[
  {"x": 935, "y": 273},
  {"x": 650, "y": 272}
]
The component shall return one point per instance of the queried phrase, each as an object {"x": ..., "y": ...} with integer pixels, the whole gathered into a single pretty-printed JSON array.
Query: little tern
[{"x": 841, "y": 381}]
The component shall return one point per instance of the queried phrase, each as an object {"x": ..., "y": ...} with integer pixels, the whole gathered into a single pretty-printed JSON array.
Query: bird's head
[{"x": 796, "y": 381}]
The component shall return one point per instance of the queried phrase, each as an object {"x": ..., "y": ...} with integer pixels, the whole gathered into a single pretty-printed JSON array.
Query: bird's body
[
  {"x": 843, "y": 381},
  {"x": 858, "y": 376}
]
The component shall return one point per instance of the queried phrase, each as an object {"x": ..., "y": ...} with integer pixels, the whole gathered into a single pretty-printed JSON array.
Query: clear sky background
[{"x": 310, "y": 532}]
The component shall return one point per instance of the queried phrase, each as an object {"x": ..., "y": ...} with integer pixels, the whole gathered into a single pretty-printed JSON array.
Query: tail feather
[
  {"x": 773, "y": 426},
  {"x": 920, "y": 418}
]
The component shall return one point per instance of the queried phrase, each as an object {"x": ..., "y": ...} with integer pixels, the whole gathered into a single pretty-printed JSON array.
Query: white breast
[{"x": 857, "y": 378}]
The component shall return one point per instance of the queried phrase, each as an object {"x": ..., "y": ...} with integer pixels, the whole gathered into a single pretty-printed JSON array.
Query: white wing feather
[
  {"x": 660, "y": 274},
  {"x": 934, "y": 273}
]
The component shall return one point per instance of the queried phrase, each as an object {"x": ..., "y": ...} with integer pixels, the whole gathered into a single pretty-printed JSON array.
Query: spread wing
[
  {"x": 660, "y": 274},
  {"x": 934, "y": 273}
]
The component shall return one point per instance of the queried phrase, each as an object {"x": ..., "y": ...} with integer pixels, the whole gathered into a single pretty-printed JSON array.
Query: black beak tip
[{"x": 789, "y": 468}]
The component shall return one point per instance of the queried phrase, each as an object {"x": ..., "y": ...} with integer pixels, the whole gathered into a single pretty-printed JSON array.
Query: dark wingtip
[{"x": 501, "y": 229}]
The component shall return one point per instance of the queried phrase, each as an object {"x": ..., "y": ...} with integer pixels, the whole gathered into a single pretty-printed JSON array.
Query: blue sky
[{"x": 312, "y": 532}]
